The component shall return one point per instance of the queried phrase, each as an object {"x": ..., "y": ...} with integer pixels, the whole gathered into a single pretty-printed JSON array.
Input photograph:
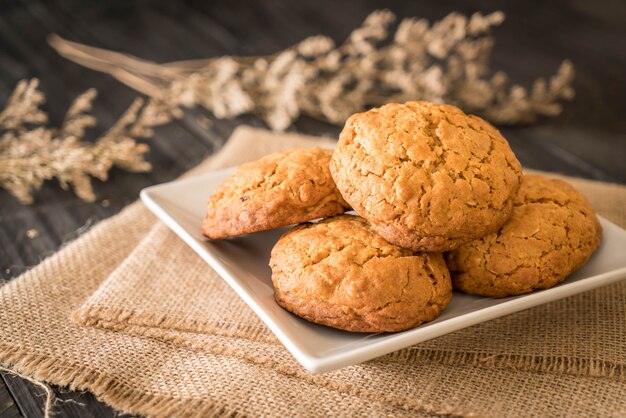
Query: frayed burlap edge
[
  {"x": 127, "y": 319},
  {"x": 129, "y": 400},
  {"x": 540, "y": 364},
  {"x": 164, "y": 328},
  {"x": 107, "y": 389},
  {"x": 165, "y": 331}
]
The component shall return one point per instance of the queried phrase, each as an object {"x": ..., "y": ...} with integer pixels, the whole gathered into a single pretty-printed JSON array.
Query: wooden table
[{"x": 588, "y": 140}]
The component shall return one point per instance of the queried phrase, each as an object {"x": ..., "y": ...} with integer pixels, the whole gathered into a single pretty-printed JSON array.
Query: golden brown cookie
[
  {"x": 279, "y": 189},
  {"x": 553, "y": 231},
  {"x": 426, "y": 176},
  {"x": 342, "y": 274}
]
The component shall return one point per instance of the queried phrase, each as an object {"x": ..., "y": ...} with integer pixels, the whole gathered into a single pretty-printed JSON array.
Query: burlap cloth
[{"x": 130, "y": 313}]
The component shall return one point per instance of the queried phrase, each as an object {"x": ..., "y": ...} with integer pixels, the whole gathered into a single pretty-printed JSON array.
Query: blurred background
[{"x": 587, "y": 140}]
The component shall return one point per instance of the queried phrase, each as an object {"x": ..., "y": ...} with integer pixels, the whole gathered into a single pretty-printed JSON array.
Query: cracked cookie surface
[
  {"x": 339, "y": 272},
  {"x": 426, "y": 176},
  {"x": 552, "y": 233},
  {"x": 280, "y": 189}
]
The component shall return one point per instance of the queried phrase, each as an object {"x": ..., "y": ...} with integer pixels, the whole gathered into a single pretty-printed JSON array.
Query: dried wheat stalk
[
  {"x": 31, "y": 152},
  {"x": 447, "y": 61}
]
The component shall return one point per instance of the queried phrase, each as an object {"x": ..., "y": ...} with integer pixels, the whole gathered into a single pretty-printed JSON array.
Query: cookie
[
  {"x": 553, "y": 231},
  {"x": 426, "y": 176},
  {"x": 342, "y": 274},
  {"x": 279, "y": 189}
]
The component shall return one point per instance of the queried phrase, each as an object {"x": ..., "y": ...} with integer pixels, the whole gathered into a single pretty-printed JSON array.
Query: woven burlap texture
[{"x": 130, "y": 313}]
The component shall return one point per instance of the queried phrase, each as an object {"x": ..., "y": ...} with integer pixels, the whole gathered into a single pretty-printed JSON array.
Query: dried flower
[
  {"x": 447, "y": 61},
  {"x": 31, "y": 153}
]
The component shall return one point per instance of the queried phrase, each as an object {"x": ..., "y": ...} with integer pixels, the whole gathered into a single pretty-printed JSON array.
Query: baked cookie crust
[
  {"x": 340, "y": 273},
  {"x": 552, "y": 233},
  {"x": 426, "y": 176},
  {"x": 280, "y": 189}
]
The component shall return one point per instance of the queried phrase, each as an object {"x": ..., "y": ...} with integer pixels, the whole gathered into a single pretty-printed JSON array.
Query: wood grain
[
  {"x": 8, "y": 408},
  {"x": 588, "y": 140}
]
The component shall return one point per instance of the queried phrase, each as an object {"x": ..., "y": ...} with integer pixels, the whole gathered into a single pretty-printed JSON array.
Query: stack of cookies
[{"x": 441, "y": 203}]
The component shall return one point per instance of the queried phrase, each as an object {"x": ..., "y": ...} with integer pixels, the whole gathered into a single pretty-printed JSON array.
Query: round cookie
[
  {"x": 280, "y": 189},
  {"x": 553, "y": 231},
  {"x": 342, "y": 274},
  {"x": 426, "y": 176}
]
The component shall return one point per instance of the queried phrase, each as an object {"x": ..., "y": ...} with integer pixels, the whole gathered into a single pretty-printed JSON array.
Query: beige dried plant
[
  {"x": 447, "y": 61},
  {"x": 31, "y": 152}
]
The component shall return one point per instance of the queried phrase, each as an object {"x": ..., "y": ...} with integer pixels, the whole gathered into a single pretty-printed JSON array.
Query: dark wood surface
[
  {"x": 588, "y": 140},
  {"x": 8, "y": 408}
]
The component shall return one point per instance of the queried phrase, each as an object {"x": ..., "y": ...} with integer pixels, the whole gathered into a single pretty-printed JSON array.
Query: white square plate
[{"x": 181, "y": 205}]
